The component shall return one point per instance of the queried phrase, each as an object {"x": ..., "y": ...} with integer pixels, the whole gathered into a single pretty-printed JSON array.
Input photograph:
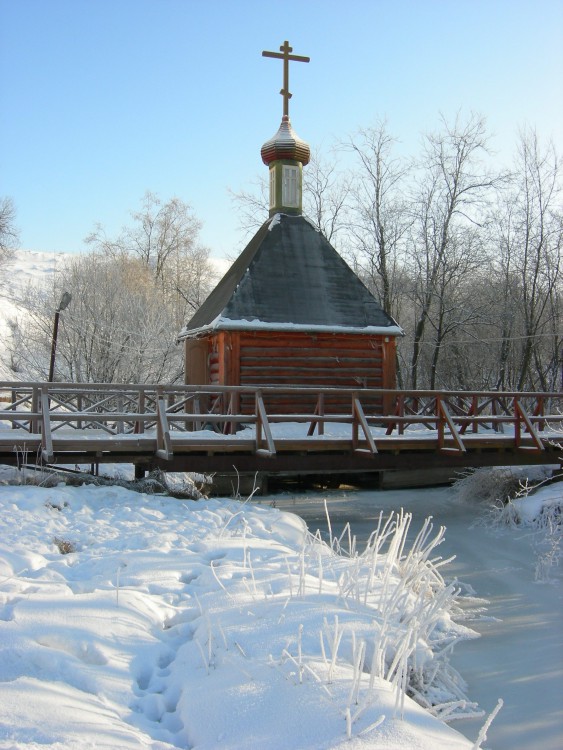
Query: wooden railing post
[
  {"x": 230, "y": 428},
  {"x": 399, "y": 412},
  {"x": 359, "y": 419},
  {"x": 355, "y": 430},
  {"x": 140, "y": 423},
  {"x": 35, "y": 425},
  {"x": 119, "y": 426},
  {"x": 440, "y": 424},
  {"x": 14, "y": 399},
  {"x": 320, "y": 412},
  {"x": 539, "y": 412},
  {"x": 445, "y": 418},
  {"x": 79, "y": 405},
  {"x": 321, "y": 424},
  {"x": 47, "y": 452},
  {"x": 197, "y": 423},
  {"x": 163, "y": 442},
  {"x": 262, "y": 424},
  {"x": 520, "y": 415},
  {"x": 496, "y": 425}
]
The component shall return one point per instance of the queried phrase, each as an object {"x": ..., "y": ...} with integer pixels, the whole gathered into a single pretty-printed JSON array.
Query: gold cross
[{"x": 285, "y": 49}]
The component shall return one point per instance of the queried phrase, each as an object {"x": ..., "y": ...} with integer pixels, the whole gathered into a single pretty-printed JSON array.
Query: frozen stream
[{"x": 520, "y": 655}]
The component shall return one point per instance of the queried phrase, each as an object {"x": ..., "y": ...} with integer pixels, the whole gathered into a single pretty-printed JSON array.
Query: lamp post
[{"x": 63, "y": 304}]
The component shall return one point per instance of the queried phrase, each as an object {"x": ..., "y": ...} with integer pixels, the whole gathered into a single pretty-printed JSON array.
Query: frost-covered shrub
[
  {"x": 182, "y": 485},
  {"x": 540, "y": 509},
  {"x": 413, "y": 615},
  {"x": 521, "y": 498},
  {"x": 32, "y": 475},
  {"x": 496, "y": 485}
]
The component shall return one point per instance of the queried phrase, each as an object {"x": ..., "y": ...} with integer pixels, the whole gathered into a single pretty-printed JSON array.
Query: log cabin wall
[{"x": 299, "y": 359}]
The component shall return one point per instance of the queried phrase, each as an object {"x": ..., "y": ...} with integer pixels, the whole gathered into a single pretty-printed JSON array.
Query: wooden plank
[
  {"x": 443, "y": 410},
  {"x": 319, "y": 422},
  {"x": 10, "y": 416},
  {"x": 288, "y": 368},
  {"x": 330, "y": 379},
  {"x": 140, "y": 423},
  {"x": 360, "y": 416},
  {"x": 223, "y": 354},
  {"x": 314, "y": 341},
  {"x": 262, "y": 423},
  {"x": 333, "y": 380},
  {"x": 305, "y": 353},
  {"x": 308, "y": 353},
  {"x": 46, "y": 437},
  {"x": 164, "y": 449},
  {"x": 308, "y": 369},
  {"x": 196, "y": 410},
  {"x": 35, "y": 400},
  {"x": 521, "y": 412},
  {"x": 234, "y": 372}
]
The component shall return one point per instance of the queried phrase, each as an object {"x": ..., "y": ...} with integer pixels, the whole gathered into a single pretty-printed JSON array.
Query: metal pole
[
  {"x": 63, "y": 304},
  {"x": 54, "y": 346}
]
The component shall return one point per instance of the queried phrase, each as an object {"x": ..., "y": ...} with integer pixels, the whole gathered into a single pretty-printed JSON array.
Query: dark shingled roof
[{"x": 289, "y": 275}]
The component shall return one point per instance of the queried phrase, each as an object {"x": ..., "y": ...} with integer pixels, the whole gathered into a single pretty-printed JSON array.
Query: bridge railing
[{"x": 42, "y": 409}]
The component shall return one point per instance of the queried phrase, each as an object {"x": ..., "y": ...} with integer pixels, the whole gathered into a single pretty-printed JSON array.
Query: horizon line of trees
[
  {"x": 130, "y": 297},
  {"x": 465, "y": 257}
]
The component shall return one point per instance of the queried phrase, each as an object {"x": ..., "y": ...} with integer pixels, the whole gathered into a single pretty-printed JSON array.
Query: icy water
[{"x": 519, "y": 657}]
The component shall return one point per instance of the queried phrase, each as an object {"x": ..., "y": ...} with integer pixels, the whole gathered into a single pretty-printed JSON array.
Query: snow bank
[{"x": 217, "y": 624}]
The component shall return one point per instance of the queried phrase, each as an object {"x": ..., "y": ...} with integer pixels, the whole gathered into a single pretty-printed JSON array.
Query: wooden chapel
[{"x": 290, "y": 311}]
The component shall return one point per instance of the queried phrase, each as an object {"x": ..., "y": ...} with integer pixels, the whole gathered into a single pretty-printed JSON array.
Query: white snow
[
  {"x": 228, "y": 324},
  {"x": 179, "y": 624},
  {"x": 519, "y": 656},
  {"x": 27, "y": 268},
  {"x": 274, "y": 221}
]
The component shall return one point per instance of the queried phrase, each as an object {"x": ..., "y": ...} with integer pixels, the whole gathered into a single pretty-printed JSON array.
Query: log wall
[{"x": 327, "y": 360}]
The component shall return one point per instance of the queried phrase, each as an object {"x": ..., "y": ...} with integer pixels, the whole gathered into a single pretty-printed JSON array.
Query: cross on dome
[{"x": 284, "y": 55}]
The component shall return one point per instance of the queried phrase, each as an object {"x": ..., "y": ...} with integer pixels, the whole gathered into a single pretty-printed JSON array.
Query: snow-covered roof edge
[{"x": 225, "y": 324}]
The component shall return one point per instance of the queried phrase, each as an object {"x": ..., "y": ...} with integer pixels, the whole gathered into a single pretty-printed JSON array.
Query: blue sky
[{"x": 101, "y": 100}]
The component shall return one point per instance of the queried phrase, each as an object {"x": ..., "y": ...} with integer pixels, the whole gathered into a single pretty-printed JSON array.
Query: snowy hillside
[{"x": 28, "y": 267}]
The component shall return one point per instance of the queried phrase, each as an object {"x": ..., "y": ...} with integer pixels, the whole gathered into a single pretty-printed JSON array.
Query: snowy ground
[
  {"x": 519, "y": 656},
  {"x": 130, "y": 621}
]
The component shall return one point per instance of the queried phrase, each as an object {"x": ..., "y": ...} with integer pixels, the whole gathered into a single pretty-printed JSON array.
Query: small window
[
  {"x": 291, "y": 186},
  {"x": 272, "y": 187}
]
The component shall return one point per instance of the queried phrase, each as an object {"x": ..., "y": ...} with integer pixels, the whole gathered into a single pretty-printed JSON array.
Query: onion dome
[{"x": 287, "y": 145}]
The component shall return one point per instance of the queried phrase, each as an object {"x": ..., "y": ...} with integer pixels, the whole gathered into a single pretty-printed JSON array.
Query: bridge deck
[{"x": 200, "y": 429}]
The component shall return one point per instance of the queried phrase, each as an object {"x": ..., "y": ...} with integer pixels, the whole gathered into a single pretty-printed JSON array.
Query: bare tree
[
  {"x": 530, "y": 239},
  {"x": 379, "y": 217},
  {"x": 451, "y": 196},
  {"x": 456, "y": 310},
  {"x": 130, "y": 298},
  {"x": 116, "y": 328},
  {"x": 325, "y": 193},
  {"x": 251, "y": 205},
  {"x": 326, "y": 190},
  {"x": 9, "y": 235},
  {"x": 467, "y": 260},
  {"x": 164, "y": 237}
]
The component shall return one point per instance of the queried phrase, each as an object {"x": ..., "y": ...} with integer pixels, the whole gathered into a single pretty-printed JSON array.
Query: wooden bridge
[{"x": 204, "y": 429}]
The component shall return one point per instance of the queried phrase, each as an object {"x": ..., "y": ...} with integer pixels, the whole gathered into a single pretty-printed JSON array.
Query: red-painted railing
[{"x": 42, "y": 409}]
